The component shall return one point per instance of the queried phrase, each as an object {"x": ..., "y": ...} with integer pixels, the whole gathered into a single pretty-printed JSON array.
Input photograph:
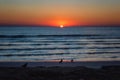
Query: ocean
[{"x": 54, "y": 43}]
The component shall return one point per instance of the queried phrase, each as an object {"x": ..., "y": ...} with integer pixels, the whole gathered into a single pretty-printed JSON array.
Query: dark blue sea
[{"x": 50, "y": 43}]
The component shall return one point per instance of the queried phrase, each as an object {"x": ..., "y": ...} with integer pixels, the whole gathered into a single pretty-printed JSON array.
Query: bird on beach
[
  {"x": 25, "y": 65},
  {"x": 61, "y": 61}
]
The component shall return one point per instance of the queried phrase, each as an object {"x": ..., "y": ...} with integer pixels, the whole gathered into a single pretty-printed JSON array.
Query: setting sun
[{"x": 61, "y": 26}]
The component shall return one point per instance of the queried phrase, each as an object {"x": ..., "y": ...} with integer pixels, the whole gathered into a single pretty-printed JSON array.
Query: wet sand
[
  {"x": 99, "y": 70},
  {"x": 60, "y": 73},
  {"x": 90, "y": 64}
]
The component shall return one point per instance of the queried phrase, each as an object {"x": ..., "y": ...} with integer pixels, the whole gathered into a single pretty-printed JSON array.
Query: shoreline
[{"x": 89, "y": 64}]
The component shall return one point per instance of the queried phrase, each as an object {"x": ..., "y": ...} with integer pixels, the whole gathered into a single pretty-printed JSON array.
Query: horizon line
[{"x": 21, "y": 25}]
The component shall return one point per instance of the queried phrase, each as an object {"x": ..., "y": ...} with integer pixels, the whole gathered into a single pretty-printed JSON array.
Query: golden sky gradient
[{"x": 60, "y": 12}]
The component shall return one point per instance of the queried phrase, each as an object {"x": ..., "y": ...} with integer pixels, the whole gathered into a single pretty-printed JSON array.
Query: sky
[{"x": 60, "y": 12}]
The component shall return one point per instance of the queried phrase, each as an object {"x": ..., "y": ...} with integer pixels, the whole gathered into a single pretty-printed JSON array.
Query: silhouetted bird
[
  {"x": 72, "y": 60},
  {"x": 25, "y": 65},
  {"x": 61, "y": 61}
]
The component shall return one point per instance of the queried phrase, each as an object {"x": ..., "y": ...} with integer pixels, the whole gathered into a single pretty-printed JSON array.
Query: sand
[
  {"x": 97, "y": 70},
  {"x": 60, "y": 73}
]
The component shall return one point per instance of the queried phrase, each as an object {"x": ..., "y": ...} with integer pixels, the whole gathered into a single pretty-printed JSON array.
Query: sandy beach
[
  {"x": 97, "y": 70},
  {"x": 60, "y": 73}
]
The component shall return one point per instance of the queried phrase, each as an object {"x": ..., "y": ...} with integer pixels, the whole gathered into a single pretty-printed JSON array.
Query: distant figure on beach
[
  {"x": 25, "y": 65},
  {"x": 61, "y": 61},
  {"x": 72, "y": 60}
]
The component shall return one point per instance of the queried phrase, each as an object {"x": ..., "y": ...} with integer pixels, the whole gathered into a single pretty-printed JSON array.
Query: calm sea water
[{"x": 50, "y": 43}]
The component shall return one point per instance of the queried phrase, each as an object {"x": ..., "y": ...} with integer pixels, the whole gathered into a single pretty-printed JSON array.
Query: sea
[{"x": 53, "y": 43}]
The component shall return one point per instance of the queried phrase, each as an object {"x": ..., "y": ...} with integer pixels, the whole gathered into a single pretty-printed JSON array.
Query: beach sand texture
[
  {"x": 101, "y": 70},
  {"x": 60, "y": 73}
]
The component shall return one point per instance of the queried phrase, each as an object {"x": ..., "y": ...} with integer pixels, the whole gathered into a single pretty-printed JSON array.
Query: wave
[
  {"x": 65, "y": 49},
  {"x": 39, "y": 48},
  {"x": 64, "y": 35},
  {"x": 34, "y": 46},
  {"x": 40, "y": 44},
  {"x": 8, "y": 55},
  {"x": 50, "y": 54}
]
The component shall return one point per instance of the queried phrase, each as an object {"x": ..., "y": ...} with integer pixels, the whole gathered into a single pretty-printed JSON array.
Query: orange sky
[{"x": 60, "y": 12}]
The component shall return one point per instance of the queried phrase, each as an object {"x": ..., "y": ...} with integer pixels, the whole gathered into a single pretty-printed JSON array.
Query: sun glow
[
  {"x": 61, "y": 26},
  {"x": 62, "y": 23}
]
